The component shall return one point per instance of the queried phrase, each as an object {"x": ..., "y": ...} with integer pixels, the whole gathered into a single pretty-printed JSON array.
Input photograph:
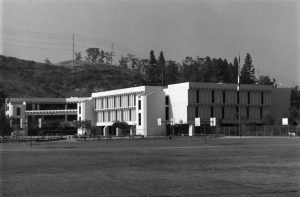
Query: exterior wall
[
  {"x": 220, "y": 101},
  {"x": 122, "y": 105},
  {"x": 155, "y": 108},
  {"x": 34, "y": 108},
  {"x": 280, "y": 104},
  {"x": 178, "y": 102},
  {"x": 85, "y": 111}
]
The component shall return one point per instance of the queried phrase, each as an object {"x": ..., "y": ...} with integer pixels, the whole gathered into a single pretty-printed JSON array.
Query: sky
[{"x": 268, "y": 30}]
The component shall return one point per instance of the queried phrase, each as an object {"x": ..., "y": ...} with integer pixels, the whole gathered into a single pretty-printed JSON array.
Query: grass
[{"x": 153, "y": 167}]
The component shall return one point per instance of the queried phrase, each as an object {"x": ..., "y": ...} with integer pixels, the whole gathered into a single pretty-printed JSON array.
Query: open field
[{"x": 153, "y": 167}]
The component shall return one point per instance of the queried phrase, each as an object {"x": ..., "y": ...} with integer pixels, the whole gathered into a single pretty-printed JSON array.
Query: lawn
[{"x": 153, "y": 167}]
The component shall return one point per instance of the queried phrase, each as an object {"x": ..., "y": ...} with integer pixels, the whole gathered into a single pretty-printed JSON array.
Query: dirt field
[{"x": 153, "y": 167}]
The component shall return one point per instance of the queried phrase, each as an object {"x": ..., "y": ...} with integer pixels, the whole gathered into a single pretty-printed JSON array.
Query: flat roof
[
  {"x": 195, "y": 85},
  {"x": 139, "y": 90},
  {"x": 47, "y": 100}
]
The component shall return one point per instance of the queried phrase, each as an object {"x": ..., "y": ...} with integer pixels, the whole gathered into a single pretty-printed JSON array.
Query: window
[
  {"x": 79, "y": 118},
  {"x": 102, "y": 107},
  {"x": 115, "y": 102},
  {"x": 196, "y": 112},
  {"x": 197, "y": 96},
  {"x": 134, "y": 100},
  {"x": 211, "y": 111},
  {"x": 167, "y": 113},
  {"x": 120, "y": 101},
  {"x": 108, "y": 116},
  {"x": 223, "y": 113},
  {"x": 167, "y": 100},
  {"x": 79, "y": 109},
  {"x": 128, "y": 100},
  {"x": 18, "y": 111},
  {"x": 140, "y": 105},
  {"x": 95, "y": 106},
  {"x": 122, "y": 116},
  {"x": 262, "y": 98},
  {"x": 213, "y": 96},
  {"x": 140, "y": 119},
  {"x": 224, "y": 97},
  {"x": 29, "y": 106},
  {"x": 248, "y": 98},
  {"x": 107, "y": 102},
  {"x": 261, "y": 113},
  {"x": 130, "y": 115},
  {"x": 247, "y": 112}
]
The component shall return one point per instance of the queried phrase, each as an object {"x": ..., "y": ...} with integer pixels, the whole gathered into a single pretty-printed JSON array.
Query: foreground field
[{"x": 153, "y": 167}]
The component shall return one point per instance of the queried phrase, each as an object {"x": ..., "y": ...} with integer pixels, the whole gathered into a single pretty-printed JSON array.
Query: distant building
[
  {"x": 27, "y": 111},
  {"x": 149, "y": 109}
]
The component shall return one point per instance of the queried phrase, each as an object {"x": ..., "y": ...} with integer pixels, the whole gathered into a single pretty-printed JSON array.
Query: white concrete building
[
  {"x": 26, "y": 111},
  {"x": 142, "y": 107},
  {"x": 138, "y": 106}
]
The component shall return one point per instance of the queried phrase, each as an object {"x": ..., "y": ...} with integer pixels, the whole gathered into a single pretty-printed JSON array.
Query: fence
[{"x": 258, "y": 131}]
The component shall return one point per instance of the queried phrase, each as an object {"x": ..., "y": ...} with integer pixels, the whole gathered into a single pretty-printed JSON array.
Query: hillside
[{"x": 21, "y": 78}]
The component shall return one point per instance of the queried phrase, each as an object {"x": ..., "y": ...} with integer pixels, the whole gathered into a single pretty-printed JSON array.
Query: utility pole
[
  {"x": 73, "y": 46},
  {"x": 162, "y": 75},
  {"x": 238, "y": 95},
  {"x": 111, "y": 53}
]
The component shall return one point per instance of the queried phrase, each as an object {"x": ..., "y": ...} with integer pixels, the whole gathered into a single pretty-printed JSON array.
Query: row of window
[
  {"x": 118, "y": 115},
  {"x": 237, "y": 112},
  {"x": 212, "y": 96},
  {"x": 115, "y": 102}
]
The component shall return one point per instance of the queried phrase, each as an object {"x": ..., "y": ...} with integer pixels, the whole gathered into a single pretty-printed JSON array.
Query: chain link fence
[{"x": 258, "y": 131}]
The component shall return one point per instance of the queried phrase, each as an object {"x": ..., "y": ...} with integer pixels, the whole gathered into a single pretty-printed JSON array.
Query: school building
[{"x": 149, "y": 109}]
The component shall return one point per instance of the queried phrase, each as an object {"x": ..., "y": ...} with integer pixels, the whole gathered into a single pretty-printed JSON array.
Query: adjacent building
[{"x": 27, "y": 111}]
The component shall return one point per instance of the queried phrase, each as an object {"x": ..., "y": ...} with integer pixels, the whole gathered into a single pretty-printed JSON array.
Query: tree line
[{"x": 159, "y": 71}]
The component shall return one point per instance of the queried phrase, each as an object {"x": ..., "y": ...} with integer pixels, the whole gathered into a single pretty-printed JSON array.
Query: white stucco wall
[{"x": 178, "y": 98}]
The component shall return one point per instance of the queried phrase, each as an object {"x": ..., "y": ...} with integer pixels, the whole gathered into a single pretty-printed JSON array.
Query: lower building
[{"x": 27, "y": 114}]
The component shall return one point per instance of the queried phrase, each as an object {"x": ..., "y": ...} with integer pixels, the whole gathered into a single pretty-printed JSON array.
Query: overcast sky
[{"x": 268, "y": 30}]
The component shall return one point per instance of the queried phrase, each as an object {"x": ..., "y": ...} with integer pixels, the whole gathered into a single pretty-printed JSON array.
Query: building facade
[
  {"x": 149, "y": 109},
  {"x": 27, "y": 111},
  {"x": 251, "y": 104},
  {"x": 140, "y": 107}
]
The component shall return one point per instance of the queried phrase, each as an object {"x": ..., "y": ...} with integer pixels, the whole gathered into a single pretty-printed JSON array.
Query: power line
[
  {"x": 82, "y": 40},
  {"x": 34, "y": 47}
]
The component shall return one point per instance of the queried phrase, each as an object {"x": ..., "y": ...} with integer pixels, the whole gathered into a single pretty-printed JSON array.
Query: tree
[
  {"x": 102, "y": 56},
  {"x": 47, "y": 61},
  {"x": 4, "y": 121},
  {"x": 248, "y": 71},
  {"x": 224, "y": 74},
  {"x": 210, "y": 70},
  {"x": 92, "y": 54},
  {"x": 172, "y": 73},
  {"x": 265, "y": 80},
  {"x": 151, "y": 71},
  {"x": 161, "y": 68},
  {"x": 78, "y": 56},
  {"x": 123, "y": 62},
  {"x": 235, "y": 70}
]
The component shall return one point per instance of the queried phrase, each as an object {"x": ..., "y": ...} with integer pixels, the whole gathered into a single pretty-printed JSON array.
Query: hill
[{"x": 22, "y": 78}]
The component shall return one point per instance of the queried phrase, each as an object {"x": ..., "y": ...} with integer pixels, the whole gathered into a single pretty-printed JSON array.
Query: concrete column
[
  {"x": 191, "y": 130},
  {"x": 106, "y": 131},
  {"x": 118, "y": 132}
]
